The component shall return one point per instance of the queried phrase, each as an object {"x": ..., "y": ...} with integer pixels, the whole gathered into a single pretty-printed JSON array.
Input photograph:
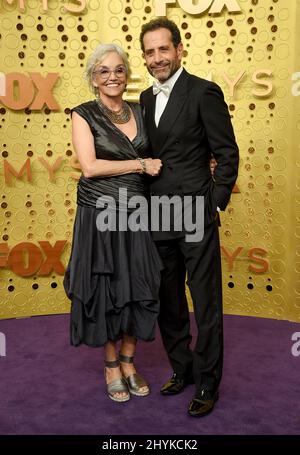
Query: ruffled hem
[
  {"x": 136, "y": 319},
  {"x": 113, "y": 282}
]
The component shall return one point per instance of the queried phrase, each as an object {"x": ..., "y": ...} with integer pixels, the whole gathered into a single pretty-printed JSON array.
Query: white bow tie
[{"x": 158, "y": 87}]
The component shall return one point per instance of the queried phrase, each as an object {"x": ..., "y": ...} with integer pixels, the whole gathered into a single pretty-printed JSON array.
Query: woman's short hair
[{"x": 98, "y": 56}]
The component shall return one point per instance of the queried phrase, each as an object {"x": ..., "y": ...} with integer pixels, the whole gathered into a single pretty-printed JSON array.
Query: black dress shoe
[
  {"x": 203, "y": 403},
  {"x": 175, "y": 385}
]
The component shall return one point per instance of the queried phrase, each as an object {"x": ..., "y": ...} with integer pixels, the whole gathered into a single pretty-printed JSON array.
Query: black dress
[{"x": 113, "y": 276}]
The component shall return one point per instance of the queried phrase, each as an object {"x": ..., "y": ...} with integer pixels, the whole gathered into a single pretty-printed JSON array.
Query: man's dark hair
[{"x": 161, "y": 23}]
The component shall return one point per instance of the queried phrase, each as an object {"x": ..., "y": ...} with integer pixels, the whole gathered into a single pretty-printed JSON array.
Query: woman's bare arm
[{"x": 91, "y": 166}]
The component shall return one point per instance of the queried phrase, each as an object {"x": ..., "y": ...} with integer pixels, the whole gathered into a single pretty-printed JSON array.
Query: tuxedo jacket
[{"x": 194, "y": 125}]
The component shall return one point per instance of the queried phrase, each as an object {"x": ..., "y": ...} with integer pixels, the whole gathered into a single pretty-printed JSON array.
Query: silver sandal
[
  {"x": 117, "y": 385},
  {"x": 134, "y": 381}
]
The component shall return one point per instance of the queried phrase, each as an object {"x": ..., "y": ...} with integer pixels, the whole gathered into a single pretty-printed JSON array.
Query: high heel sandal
[
  {"x": 117, "y": 385},
  {"x": 135, "y": 381}
]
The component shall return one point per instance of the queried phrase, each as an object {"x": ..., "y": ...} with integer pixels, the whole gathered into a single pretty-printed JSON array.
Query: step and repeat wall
[{"x": 249, "y": 47}]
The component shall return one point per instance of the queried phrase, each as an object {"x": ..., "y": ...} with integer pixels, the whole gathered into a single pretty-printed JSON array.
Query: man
[{"x": 188, "y": 121}]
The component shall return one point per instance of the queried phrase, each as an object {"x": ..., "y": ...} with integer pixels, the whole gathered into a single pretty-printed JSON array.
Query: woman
[{"x": 113, "y": 275}]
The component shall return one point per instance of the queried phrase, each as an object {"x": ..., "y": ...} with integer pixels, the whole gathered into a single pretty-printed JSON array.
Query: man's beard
[{"x": 163, "y": 76}]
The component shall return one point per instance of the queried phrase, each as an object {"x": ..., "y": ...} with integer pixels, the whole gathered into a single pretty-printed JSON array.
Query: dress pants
[{"x": 202, "y": 262}]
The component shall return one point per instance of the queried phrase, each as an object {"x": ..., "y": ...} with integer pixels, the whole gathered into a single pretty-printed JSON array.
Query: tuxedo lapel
[{"x": 174, "y": 106}]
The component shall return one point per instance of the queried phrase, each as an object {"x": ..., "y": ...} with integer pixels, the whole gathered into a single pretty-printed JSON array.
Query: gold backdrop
[{"x": 249, "y": 47}]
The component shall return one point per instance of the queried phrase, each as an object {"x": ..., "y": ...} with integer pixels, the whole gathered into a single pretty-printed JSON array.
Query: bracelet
[{"x": 143, "y": 164}]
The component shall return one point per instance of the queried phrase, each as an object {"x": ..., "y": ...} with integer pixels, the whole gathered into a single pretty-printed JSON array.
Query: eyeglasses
[{"x": 105, "y": 73}]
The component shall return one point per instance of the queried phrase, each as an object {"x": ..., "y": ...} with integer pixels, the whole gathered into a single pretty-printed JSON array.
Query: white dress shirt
[{"x": 162, "y": 99}]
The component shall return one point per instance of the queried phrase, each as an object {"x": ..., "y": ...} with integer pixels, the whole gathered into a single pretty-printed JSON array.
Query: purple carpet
[{"x": 48, "y": 387}]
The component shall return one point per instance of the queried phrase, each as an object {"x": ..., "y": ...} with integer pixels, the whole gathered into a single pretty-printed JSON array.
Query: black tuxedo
[{"x": 194, "y": 125}]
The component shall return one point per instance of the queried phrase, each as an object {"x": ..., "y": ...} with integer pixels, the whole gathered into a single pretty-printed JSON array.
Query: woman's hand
[
  {"x": 153, "y": 166},
  {"x": 212, "y": 165}
]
